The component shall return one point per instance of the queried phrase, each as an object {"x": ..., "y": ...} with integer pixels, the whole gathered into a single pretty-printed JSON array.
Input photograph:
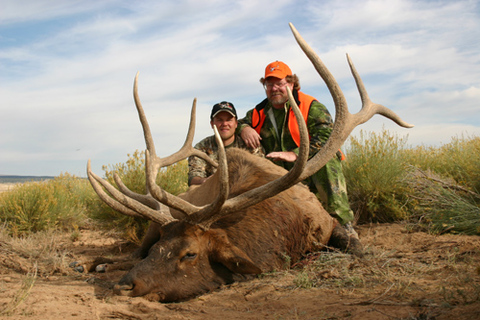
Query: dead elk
[{"x": 244, "y": 220}]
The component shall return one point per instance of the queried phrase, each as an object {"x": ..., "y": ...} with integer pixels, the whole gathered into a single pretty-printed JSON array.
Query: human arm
[
  {"x": 319, "y": 125},
  {"x": 198, "y": 169},
  {"x": 248, "y": 134},
  {"x": 250, "y": 137}
]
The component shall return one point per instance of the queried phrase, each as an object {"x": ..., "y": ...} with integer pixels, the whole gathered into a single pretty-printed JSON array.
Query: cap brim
[
  {"x": 279, "y": 75},
  {"x": 213, "y": 116}
]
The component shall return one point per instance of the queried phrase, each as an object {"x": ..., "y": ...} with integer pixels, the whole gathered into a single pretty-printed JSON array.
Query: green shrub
[
  {"x": 374, "y": 169},
  {"x": 458, "y": 159},
  {"x": 60, "y": 203},
  {"x": 435, "y": 186},
  {"x": 441, "y": 205}
]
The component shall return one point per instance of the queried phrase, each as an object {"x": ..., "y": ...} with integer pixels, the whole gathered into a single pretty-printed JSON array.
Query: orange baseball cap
[{"x": 277, "y": 69}]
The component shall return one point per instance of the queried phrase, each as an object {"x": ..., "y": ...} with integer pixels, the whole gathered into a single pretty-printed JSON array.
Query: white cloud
[{"x": 68, "y": 69}]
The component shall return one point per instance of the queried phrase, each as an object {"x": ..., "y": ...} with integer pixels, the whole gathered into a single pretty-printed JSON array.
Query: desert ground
[
  {"x": 406, "y": 273},
  {"x": 6, "y": 186}
]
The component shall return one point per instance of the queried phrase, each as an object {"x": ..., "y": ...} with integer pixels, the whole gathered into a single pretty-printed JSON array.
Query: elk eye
[{"x": 189, "y": 256}]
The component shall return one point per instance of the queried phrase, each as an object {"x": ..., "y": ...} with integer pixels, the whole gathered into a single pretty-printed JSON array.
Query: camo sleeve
[
  {"x": 244, "y": 122},
  {"x": 320, "y": 126},
  {"x": 198, "y": 167}
]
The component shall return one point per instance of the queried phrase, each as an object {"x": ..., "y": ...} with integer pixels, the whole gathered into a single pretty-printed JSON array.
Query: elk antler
[
  {"x": 147, "y": 206},
  {"x": 122, "y": 203},
  {"x": 343, "y": 126},
  {"x": 134, "y": 204},
  {"x": 345, "y": 122}
]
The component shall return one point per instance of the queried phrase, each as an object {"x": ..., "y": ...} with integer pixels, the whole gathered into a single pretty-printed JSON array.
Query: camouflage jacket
[
  {"x": 198, "y": 167},
  {"x": 319, "y": 124}
]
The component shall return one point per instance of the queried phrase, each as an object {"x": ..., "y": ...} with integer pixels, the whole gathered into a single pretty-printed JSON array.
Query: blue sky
[{"x": 68, "y": 70}]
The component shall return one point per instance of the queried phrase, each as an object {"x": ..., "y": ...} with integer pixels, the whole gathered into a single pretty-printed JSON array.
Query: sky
[{"x": 67, "y": 70}]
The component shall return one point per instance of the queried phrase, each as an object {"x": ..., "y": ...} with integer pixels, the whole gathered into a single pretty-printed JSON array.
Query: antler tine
[
  {"x": 195, "y": 214},
  {"x": 146, "y": 199},
  {"x": 153, "y": 163},
  {"x": 345, "y": 122},
  {"x": 208, "y": 215},
  {"x": 185, "y": 151},
  {"x": 367, "y": 103},
  {"x": 122, "y": 203},
  {"x": 147, "y": 133}
]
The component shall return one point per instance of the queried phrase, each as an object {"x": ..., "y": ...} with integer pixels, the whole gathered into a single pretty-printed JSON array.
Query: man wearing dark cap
[
  {"x": 224, "y": 117},
  {"x": 272, "y": 124}
]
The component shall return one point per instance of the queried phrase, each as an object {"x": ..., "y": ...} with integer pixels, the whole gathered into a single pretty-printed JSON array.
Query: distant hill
[{"x": 21, "y": 179}]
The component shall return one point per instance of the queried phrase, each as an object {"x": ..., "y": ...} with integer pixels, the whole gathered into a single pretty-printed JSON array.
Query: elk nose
[{"x": 122, "y": 289}]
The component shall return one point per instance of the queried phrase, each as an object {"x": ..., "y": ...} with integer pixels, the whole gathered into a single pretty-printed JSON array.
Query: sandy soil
[
  {"x": 406, "y": 274},
  {"x": 6, "y": 186}
]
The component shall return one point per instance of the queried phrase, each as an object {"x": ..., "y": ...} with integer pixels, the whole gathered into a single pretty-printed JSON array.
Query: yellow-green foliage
[
  {"x": 437, "y": 186},
  {"x": 373, "y": 170},
  {"x": 445, "y": 189},
  {"x": 459, "y": 159},
  {"x": 386, "y": 181},
  {"x": 54, "y": 204},
  {"x": 441, "y": 205},
  {"x": 172, "y": 179}
]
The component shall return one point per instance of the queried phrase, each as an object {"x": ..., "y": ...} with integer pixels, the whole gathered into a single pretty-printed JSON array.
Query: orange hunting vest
[{"x": 304, "y": 101}]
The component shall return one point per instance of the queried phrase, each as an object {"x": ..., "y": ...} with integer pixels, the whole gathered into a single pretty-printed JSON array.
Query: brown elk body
[
  {"x": 263, "y": 238},
  {"x": 250, "y": 217}
]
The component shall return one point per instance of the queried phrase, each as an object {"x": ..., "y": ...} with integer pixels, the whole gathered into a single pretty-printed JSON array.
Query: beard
[{"x": 278, "y": 99}]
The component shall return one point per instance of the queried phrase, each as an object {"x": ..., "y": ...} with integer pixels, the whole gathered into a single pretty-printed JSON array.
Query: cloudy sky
[{"x": 67, "y": 69}]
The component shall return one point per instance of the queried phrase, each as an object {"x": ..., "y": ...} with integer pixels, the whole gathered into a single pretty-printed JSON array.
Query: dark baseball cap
[{"x": 223, "y": 106}]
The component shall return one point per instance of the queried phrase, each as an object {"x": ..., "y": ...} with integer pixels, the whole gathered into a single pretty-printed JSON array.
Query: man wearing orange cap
[{"x": 272, "y": 125}]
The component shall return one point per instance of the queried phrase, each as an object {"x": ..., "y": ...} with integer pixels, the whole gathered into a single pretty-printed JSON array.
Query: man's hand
[
  {"x": 287, "y": 156},
  {"x": 250, "y": 137}
]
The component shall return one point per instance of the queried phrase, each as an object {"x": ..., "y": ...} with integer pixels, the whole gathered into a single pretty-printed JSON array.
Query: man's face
[
  {"x": 276, "y": 90},
  {"x": 226, "y": 125}
]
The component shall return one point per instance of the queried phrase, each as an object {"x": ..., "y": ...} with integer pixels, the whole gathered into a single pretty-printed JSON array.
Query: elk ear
[{"x": 232, "y": 257}]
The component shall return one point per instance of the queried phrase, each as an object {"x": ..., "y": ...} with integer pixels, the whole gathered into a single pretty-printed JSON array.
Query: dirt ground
[
  {"x": 6, "y": 186},
  {"x": 405, "y": 275}
]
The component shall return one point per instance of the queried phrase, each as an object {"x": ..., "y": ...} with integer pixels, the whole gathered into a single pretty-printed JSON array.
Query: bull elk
[{"x": 244, "y": 220}]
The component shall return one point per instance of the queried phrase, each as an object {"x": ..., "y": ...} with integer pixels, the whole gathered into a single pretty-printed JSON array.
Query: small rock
[
  {"x": 79, "y": 269},
  {"x": 101, "y": 268}
]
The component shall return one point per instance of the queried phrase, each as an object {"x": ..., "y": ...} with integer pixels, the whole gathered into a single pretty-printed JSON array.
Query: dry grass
[
  {"x": 21, "y": 295},
  {"x": 42, "y": 251},
  {"x": 432, "y": 267}
]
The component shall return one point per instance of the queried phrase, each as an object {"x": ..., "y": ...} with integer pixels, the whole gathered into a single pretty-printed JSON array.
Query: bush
[
  {"x": 60, "y": 203},
  {"x": 374, "y": 169},
  {"x": 441, "y": 205},
  {"x": 436, "y": 188},
  {"x": 458, "y": 160}
]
